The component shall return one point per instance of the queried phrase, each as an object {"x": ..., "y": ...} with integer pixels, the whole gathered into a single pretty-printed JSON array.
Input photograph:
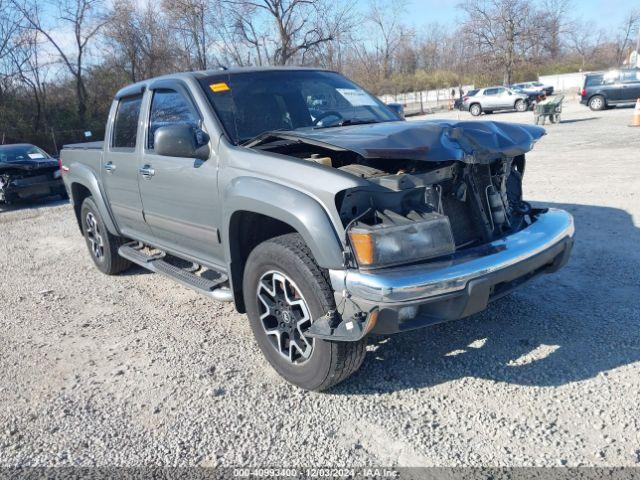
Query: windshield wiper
[{"x": 349, "y": 121}]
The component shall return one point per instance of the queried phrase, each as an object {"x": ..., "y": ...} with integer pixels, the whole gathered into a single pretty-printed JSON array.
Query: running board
[{"x": 156, "y": 263}]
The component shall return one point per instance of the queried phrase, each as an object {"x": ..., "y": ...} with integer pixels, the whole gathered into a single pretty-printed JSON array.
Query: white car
[
  {"x": 491, "y": 99},
  {"x": 533, "y": 87}
]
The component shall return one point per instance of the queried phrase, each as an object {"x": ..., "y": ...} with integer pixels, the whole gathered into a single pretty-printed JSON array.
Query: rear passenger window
[
  {"x": 631, "y": 76},
  {"x": 125, "y": 127},
  {"x": 593, "y": 81},
  {"x": 170, "y": 108},
  {"x": 491, "y": 91}
]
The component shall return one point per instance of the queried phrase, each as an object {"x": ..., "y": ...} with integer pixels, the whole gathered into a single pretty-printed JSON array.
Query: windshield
[
  {"x": 20, "y": 153},
  {"x": 249, "y": 104}
]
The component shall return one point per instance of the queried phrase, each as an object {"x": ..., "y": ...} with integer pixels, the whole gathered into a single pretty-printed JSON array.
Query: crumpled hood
[
  {"x": 30, "y": 164},
  {"x": 428, "y": 140}
]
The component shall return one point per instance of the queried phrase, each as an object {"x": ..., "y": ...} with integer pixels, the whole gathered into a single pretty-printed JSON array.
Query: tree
[
  {"x": 191, "y": 20},
  {"x": 629, "y": 30},
  {"x": 297, "y": 27},
  {"x": 385, "y": 17},
  {"x": 500, "y": 30},
  {"x": 84, "y": 21},
  {"x": 143, "y": 46},
  {"x": 555, "y": 24},
  {"x": 31, "y": 72}
]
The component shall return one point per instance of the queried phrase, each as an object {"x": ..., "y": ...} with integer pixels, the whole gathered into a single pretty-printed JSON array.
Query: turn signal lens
[{"x": 362, "y": 244}]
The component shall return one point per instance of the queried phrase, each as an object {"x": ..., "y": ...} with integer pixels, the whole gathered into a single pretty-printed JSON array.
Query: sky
[{"x": 605, "y": 14}]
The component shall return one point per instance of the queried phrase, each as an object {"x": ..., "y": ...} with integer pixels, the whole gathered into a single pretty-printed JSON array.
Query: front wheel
[
  {"x": 102, "y": 245},
  {"x": 521, "y": 106},
  {"x": 285, "y": 291}
]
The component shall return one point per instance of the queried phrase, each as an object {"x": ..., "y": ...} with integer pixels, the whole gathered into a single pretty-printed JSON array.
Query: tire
[
  {"x": 520, "y": 106},
  {"x": 475, "y": 109},
  {"x": 597, "y": 103},
  {"x": 286, "y": 262},
  {"x": 103, "y": 246}
]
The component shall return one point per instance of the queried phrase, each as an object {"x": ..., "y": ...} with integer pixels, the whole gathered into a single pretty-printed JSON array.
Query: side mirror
[
  {"x": 181, "y": 141},
  {"x": 397, "y": 108}
]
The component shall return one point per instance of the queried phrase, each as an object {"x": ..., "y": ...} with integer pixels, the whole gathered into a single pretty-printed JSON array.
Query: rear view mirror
[
  {"x": 181, "y": 141},
  {"x": 397, "y": 108}
]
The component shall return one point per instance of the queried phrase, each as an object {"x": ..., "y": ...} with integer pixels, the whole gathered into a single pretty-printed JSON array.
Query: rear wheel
[
  {"x": 475, "y": 109},
  {"x": 102, "y": 245},
  {"x": 597, "y": 102},
  {"x": 284, "y": 292}
]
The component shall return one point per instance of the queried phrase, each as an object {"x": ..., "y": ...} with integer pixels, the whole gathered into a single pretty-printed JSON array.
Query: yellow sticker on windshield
[{"x": 219, "y": 87}]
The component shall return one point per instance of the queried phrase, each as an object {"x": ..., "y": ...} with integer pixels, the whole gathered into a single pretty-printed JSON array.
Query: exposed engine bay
[{"x": 467, "y": 194}]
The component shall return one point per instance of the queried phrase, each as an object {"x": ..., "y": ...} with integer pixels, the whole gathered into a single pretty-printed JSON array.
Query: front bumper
[
  {"x": 26, "y": 189},
  {"x": 419, "y": 295}
]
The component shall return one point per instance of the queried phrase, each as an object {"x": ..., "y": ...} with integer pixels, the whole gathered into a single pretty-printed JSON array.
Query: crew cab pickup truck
[{"x": 325, "y": 220}]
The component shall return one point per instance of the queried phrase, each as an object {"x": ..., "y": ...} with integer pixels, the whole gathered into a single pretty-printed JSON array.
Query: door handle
[
  {"x": 147, "y": 172},
  {"x": 109, "y": 167}
]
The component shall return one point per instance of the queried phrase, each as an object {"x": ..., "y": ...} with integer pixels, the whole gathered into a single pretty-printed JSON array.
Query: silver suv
[{"x": 490, "y": 99}]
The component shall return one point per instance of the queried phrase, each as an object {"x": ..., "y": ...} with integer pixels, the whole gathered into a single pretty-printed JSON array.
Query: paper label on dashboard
[
  {"x": 357, "y": 98},
  {"x": 33, "y": 156}
]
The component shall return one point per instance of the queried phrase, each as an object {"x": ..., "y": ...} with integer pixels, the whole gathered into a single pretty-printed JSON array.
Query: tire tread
[{"x": 347, "y": 357}]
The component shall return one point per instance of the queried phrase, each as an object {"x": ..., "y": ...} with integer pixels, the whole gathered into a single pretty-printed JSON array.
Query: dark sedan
[{"x": 28, "y": 172}]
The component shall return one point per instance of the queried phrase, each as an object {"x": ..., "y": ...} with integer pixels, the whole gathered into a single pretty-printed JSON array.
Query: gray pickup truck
[{"x": 313, "y": 206}]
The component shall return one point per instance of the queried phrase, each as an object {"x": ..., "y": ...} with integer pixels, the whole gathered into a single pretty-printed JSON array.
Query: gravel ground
[{"x": 134, "y": 370}]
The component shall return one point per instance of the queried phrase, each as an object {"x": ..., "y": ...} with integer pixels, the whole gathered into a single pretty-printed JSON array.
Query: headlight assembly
[{"x": 393, "y": 239}]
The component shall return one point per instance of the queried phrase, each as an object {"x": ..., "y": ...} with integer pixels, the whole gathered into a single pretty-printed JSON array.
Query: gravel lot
[{"x": 135, "y": 370}]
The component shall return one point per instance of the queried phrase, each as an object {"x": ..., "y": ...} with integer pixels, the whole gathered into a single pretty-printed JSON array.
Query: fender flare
[
  {"x": 300, "y": 211},
  {"x": 84, "y": 176}
]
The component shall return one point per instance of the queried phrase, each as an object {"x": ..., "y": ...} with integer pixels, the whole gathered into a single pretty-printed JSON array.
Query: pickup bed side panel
[
  {"x": 83, "y": 167},
  {"x": 290, "y": 206}
]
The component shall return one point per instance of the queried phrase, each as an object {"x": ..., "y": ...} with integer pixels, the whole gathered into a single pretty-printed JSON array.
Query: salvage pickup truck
[{"x": 317, "y": 209}]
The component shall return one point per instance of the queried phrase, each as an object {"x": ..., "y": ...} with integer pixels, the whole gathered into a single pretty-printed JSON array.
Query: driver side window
[{"x": 169, "y": 107}]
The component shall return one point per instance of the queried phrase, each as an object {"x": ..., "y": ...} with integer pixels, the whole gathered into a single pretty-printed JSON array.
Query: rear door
[
  {"x": 630, "y": 81},
  {"x": 180, "y": 197},
  {"x": 612, "y": 87},
  {"x": 120, "y": 167}
]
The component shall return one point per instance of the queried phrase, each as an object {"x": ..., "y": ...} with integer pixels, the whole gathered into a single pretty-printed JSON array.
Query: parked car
[
  {"x": 491, "y": 99},
  {"x": 616, "y": 87},
  {"x": 533, "y": 87},
  {"x": 459, "y": 102},
  {"x": 532, "y": 95},
  {"x": 323, "y": 228},
  {"x": 28, "y": 172}
]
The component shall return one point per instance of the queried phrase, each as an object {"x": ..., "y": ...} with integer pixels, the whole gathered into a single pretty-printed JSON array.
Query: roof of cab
[{"x": 140, "y": 86}]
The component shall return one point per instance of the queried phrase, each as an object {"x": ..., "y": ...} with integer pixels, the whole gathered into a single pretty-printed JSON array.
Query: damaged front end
[
  {"x": 436, "y": 193},
  {"x": 25, "y": 181}
]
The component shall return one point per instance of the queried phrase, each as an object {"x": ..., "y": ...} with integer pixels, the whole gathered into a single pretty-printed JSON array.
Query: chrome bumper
[{"x": 424, "y": 281}]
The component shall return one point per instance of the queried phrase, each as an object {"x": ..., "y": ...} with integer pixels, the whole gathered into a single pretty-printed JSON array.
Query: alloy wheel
[
  {"x": 596, "y": 103},
  {"x": 94, "y": 235},
  {"x": 284, "y": 316}
]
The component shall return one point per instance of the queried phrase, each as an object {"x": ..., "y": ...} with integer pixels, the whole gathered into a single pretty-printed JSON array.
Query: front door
[
  {"x": 120, "y": 168},
  {"x": 180, "y": 195}
]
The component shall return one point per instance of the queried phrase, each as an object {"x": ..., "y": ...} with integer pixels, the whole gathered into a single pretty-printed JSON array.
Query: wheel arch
[
  {"x": 257, "y": 210},
  {"x": 83, "y": 184}
]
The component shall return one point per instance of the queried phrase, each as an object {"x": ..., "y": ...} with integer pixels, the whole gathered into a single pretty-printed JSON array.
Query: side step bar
[{"x": 156, "y": 263}]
